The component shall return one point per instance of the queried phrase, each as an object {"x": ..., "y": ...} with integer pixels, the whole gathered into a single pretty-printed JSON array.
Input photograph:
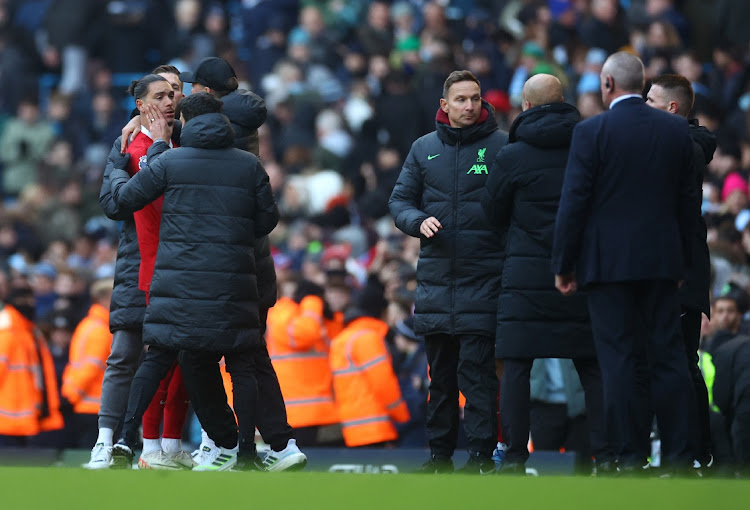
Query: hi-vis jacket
[
  {"x": 89, "y": 349},
  {"x": 368, "y": 397},
  {"x": 29, "y": 402},
  {"x": 299, "y": 354}
]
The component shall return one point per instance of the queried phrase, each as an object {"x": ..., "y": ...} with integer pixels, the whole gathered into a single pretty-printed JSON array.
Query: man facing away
[
  {"x": 622, "y": 230},
  {"x": 533, "y": 319},
  {"x": 204, "y": 299},
  {"x": 673, "y": 93},
  {"x": 436, "y": 199}
]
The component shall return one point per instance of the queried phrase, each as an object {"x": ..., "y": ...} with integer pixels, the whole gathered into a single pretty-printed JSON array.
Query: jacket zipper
[{"x": 455, "y": 239}]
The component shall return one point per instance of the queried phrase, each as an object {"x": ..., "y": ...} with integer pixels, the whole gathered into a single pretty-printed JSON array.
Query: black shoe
[
  {"x": 249, "y": 463},
  {"x": 436, "y": 465},
  {"x": 512, "y": 468},
  {"x": 122, "y": 456},
  {"x": 478, "y": 464}
]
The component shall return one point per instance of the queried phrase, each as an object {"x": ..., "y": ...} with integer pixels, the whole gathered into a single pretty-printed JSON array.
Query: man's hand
[
  {"x": 566, "y": 284},
  {"x": 131, "y": 129},
  {"x": 121, "y": 161},
  {"x": 156, "y": 123},
  {"x": 429, "y": 227}
]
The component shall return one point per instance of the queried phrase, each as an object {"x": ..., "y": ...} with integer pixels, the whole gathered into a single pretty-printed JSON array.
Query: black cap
[{"x": 213, "y": 72}]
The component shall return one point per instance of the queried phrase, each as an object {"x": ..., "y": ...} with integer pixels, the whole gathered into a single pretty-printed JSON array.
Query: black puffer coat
[
  {"x": 694, "y": 293},
  {"x": 128, "y": 305},
  {"x": 217, "y": 200},
  {"x": 247, "y": 112},
  {"x": 523, "y": 193},
  {"x": 458, "y": 275}
]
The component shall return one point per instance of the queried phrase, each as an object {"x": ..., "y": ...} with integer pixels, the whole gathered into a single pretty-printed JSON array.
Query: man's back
[{"x": 633, "y": 161}]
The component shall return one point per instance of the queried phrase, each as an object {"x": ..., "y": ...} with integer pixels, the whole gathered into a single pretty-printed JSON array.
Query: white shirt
[{"x": 622, "y": 98}]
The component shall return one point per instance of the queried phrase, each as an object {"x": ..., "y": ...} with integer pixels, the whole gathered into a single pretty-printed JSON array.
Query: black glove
[{"x": 120, "y": 161}]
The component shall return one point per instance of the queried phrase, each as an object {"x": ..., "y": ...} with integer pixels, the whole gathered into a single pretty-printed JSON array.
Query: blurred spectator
[
  {"x": 410, "y": 365},
  {"x": 23, "y": 144}
]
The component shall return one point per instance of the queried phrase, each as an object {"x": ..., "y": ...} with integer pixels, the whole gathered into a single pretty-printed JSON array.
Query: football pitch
[{"x": 55, "y": 488}]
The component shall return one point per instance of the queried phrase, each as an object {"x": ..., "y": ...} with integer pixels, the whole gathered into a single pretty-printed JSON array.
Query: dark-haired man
[
  {"x": 246, "y": 111},
  {"x": 213, "y": 217},
  {"x": 135, "y": 255},
  {"x": 437, "y": 199},
  {"x": 673, "y": 93}
]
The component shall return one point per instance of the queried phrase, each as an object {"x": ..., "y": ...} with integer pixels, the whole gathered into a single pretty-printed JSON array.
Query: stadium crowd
[{"x": 348, "y": 87}]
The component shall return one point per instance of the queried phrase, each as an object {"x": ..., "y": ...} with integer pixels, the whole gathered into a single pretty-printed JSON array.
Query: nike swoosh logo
[{"x": 432, "y": 157}]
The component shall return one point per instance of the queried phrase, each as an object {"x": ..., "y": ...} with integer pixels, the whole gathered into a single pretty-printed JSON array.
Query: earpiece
[{"x": 608, "y": 84}]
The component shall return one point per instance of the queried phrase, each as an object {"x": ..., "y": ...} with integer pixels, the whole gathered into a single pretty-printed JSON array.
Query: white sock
[
  {"x": 105, "y": 436},
  {"x": 151, "y": 445},
  {"x": 207, "y": 441},
  {"x": 171, "y": 445}
]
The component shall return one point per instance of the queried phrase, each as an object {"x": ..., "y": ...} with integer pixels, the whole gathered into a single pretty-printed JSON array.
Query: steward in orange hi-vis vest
[
  {"x": 29, "y": 402},
  {"x": 300, "y": 358},
  {"x": 89, "y": 349},
  {"x": 368, "y": 397}
]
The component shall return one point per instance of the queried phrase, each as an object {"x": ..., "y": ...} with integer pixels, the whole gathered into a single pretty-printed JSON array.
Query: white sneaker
[
  {"x": 101, "y": 457},
  {"x": 202, "y": 454},
  {"x": 157, "y": 459},
  {"x": 290, "y": 458},
  {"x": 218, "y": 459},
  {"x": 182, "y": 459}
]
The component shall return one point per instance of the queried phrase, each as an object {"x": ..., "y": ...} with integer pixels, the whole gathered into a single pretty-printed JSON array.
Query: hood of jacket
[
  {"x": 245, "y": 109},
  {"x": 548, "y": 126},
  {"x": 208, "y": 131},
  {"x": 703, "y": 137},
  {"x": 452, "y": 136}
]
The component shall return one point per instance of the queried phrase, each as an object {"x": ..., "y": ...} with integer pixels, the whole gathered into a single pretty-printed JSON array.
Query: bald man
[
  {"x": 533, "y": 320},
  {"x": 623, "y": 230}
]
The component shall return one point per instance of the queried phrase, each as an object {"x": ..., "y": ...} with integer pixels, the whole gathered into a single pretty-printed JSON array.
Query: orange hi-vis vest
[
  {"x": 25, "y": 370},
  {"x": 368, "y": 397},
  {"x": 300, "y": 358},
  {"x": 89, "y": 349}
]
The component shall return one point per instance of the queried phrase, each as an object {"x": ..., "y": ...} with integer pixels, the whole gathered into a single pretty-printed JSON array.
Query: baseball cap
[{"x": 213, "y": 72}]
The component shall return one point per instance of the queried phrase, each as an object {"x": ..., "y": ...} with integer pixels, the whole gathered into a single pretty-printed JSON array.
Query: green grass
[{"x": 63, "y": 488}]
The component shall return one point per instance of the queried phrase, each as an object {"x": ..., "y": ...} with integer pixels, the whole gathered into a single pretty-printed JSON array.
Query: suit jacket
[{"x": 627, "y": 197}]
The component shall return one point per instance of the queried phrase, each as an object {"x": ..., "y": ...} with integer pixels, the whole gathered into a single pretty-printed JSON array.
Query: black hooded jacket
[
  {"x": 458, "y": 275},
  {"x": 217, "y": 201},
  {"x": 247, "y": 112},
  {"x": 694, "y": 293},
  {"x": 128, "y": 304},
  {"x": 523, "y": 194}
]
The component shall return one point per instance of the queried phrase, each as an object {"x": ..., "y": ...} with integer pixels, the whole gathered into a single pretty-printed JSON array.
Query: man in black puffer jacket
[
  {"x": 436, "y": 199},
  {"x": 533, "y": 319},
  {"x": 247, "y": 111},
  {"x": 673, "y": 93},
  {"x": 203, "y": 296}
]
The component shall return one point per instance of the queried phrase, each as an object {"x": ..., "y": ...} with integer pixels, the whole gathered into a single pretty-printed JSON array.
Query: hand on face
[{"x": 156, "y": 123}]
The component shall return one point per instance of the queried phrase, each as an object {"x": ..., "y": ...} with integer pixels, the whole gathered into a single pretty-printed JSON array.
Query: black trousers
[
  {"x": 701, "y": 422},
  {"x": 271, "y": 416},
  {"x": 155, "y": 365},
  {"x": 515, "y": 408},
  {"x": 620, "y": 313},
  {"x": 206, "y": 389},
  {"x": 463, "y": 363}
]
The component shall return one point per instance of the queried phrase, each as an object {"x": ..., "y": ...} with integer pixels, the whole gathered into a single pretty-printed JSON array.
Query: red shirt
[{"x": 148, "y": 219}]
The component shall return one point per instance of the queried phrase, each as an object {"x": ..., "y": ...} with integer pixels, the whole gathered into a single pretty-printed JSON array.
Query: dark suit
[{"x": 622, "y": 227}]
